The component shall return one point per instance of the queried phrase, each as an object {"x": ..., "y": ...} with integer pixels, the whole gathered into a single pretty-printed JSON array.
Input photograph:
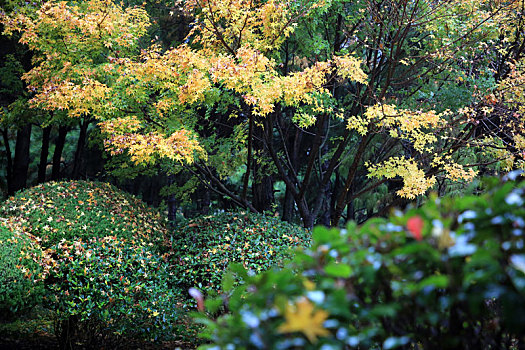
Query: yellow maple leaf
[{"x": 302, "y": 318}]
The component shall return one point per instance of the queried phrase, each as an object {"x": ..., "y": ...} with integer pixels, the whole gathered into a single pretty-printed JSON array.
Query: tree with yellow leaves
[{"x": 335, "y": 99}]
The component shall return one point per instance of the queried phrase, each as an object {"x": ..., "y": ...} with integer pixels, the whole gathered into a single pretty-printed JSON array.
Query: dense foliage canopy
[{"x": 315, "y": 108}]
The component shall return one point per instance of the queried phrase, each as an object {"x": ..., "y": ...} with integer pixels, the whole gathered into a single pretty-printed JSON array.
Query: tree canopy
[{"x": 339, "y": 108}]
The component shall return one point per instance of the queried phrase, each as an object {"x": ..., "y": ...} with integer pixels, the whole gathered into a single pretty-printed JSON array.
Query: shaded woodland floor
[{"x": 34, "y": 333}]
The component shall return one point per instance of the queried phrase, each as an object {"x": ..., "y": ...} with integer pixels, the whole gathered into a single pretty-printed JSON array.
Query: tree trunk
[
  {"x": 172, "y": 203},
  {"x": 262, "y": 187},
  {"x": 263, "y": 197},
  {"x": 9, "y": 165},
  {"x": 308, "y": 219},
  {"x": 79, "y": 152},
  {"x": 288, "y": 206},
  {"x": 57, "y": 155},
  {"x": 44, "y": 152},
  {"x": 343, "y": 194},
  {"x": 203, "y": 203},
  {"x": 293, "y": 146},
  {"x": 21, "y": 160},
  {"x": 326, "y": 189}
]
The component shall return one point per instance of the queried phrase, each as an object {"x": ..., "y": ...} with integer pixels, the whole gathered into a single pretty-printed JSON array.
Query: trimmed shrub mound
[
  {"x": 19, "y": 272},
  {"x": 204, "y": 247},
  {"x": 80, "y": 209},
  {"x": 99, "y": 262},
  {"x": 107, "y": 288},
  {"x": 448, "y": 275}
]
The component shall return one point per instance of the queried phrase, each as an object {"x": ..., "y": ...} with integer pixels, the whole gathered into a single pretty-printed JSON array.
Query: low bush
[
  {"x": 107, "y": 288},
  {"x": 101, "y": 267},
  {"x": 79, "y": 209},
  {"x": 448, "y": 275},
  {"x": 19, "y": 272},
  {"x": 204, "y": 247}
]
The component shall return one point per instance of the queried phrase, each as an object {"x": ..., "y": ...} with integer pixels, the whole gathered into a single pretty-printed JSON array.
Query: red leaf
[{"x": 415, "y": 226}]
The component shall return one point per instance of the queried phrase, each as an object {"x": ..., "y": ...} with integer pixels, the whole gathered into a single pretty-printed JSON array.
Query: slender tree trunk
[
  {"x": 324, "y": 218},
  {"x": 262, "y": 187},
  {"x": 249, "y": 157},
  {"x": 288, "y": 206},
  {"x": 57, "y": 155},
  {"x": 342, "y": 200},
  {"x": 289, "y": 202},
  {"x": 9, "y": 165},
  {"x": 21, "y": 160},
  {"x": 172, "y": 203},
  {"x": 203, "y": 204},
  {"x": 308, "y": 218},
  {"x": 326, "y": 189},
  {"x": 350, "y": 207},
  {"x": 79, "y": 152},
  {"x": 44, "y": 152}
]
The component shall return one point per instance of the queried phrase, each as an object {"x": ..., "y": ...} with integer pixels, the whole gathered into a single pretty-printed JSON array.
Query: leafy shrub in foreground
[
  {"x": 204, "y": 247},
  {"x": 107, "y": 288},
  {"x": 78, "y": 209},
  {"x": 19, "y": 289},
  {"x": 448, "y": 275}
]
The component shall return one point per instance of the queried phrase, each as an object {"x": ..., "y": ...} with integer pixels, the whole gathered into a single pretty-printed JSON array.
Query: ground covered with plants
[
  {"x": 450, "y": 272},
  {"x": 92, "y": 266}
]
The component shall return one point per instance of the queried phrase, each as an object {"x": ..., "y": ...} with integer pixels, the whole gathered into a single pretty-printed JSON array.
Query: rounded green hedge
[
  {"x": 205, "y": 246},
  {"x": 78, "y": 209},
  {"x": 20, "y": 285},
  {"x": 99, "y": 264},
  {"x": 106, "y": 288}
]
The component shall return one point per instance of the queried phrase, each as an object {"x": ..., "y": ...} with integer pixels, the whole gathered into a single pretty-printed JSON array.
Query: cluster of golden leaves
[
  {"x": 88, "y": 64},
  {"x": 68, "y": 39},
  {"x": 418, "y": 128},
  {"x": 400, "y": 123},
  {"x": 233, "y": 35},
  {"x": 222, "y": 25},
  {"x": 415, "y": 181},
  {"x": 189, "y": 74},
  {"x": 123, "y": 134}
]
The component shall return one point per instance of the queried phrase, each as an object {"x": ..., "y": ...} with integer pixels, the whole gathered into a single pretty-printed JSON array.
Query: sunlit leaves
[
  {"x": 415, "y": 182},
  {"x": 124, "y": 134},
  {"x": 225, "y": 25},
  {"x": 71, "y": 43},
  {"x": 88, "y": 64}
]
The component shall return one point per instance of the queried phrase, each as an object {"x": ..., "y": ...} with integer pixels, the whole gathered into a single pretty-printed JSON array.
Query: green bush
[
  {"x": 448, "y": 275},
  {"x": 203, "y": 247},
  {"x": 20, "y": 287},
  {"x": 106, "y": 288},
  {"x": 80, "y": 209},
  {"x": 101, "y": 266}
]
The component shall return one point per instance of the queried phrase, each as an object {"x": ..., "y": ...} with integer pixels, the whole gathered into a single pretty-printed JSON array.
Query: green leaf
[
  {"x": 227, "y": 281},
  {"x": 338, "y": 270},
  {"x": 437, "y": 281},
  {"x": 323, "y": 235}
]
